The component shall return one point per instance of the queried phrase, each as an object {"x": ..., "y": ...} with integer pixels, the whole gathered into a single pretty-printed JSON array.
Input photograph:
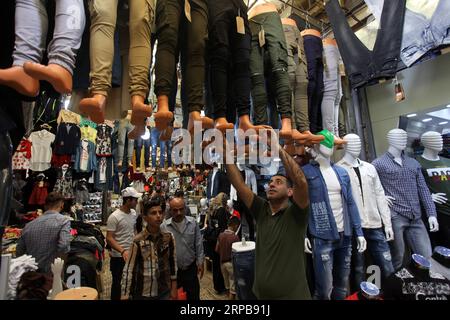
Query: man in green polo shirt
[{"x": 281, "y": 222}]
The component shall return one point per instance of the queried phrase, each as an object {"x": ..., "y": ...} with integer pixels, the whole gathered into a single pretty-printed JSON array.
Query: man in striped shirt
[{"x": 151, "y": 272}]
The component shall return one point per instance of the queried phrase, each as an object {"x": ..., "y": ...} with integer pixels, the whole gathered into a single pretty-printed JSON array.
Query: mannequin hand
[
  {"x": 390, "y": 200},
  {"x": 362, "y": 244},
  {"x": 308, "y": 248},
  {"x": 57, "y": 266},
  {"x": 389, "y": 234},
  {"x": 434, "y": 225},
  {"x": 439, "y": 198}
]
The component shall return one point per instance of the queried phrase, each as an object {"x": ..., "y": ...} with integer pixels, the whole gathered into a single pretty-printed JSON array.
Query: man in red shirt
[{"x": 223, "y": 247}]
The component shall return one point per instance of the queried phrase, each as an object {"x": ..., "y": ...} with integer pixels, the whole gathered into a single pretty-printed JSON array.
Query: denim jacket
[{"x": 321, "y": 219}]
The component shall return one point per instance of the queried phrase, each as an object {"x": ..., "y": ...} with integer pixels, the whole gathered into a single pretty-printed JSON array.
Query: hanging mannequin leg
[
  {"x": 94, "y": 107},
  {"x": 59, "y": 77},
  {"x": 17, "y": 79},
  {"x": 163, "y": 116}
]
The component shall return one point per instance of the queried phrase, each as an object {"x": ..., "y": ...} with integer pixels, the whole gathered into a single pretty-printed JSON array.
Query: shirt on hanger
[
  {"x": 21, "y": 158},
  {"x": 41, "y": 151}
]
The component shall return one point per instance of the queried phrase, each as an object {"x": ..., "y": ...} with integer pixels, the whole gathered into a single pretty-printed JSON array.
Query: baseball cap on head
[{"x": 131, "y": 192}]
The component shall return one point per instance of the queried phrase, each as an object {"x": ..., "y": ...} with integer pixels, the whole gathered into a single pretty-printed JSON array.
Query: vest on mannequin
[
  {"x": 322, "y": 155},
  {"x": 433, "y": 143},
  {"x": 351, "y": 156},
  {"x": 398, "y": 139}
]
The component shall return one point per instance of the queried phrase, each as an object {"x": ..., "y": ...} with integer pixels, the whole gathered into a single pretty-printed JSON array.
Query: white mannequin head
[
  {"x": 353, "y": 146},
  {"x": 398, "y": 139},
  {"x": 203, "y": 202},
  {"x": 325, "y": 151},
  {"x": 432, "y": 140}
]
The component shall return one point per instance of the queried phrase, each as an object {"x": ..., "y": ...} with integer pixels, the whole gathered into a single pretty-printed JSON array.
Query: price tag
[
  {"x": 187, "y": 10},
  {"x": 240, "y": 25},
  {"x": 262, "y": 38}
]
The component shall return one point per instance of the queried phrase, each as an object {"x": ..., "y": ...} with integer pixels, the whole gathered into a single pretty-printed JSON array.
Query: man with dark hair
[
  {"x": 189, "y": 244},
  {"x": 120, "y": 230},
  {"x": 47, "y": 237},
  {"x": 151, "y": 271},
  {"x": 223, "y": 248},
  {"x": 281, "y": 225}
]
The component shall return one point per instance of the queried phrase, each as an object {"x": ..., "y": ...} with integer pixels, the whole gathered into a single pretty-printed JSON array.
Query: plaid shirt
[
  {"x": 406, "y": 184},
  {"x": 45, "y": 239},
  {"x": 151, "y": 266}
]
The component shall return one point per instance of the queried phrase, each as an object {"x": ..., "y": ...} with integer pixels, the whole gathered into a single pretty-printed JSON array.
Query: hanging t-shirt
[
  {"x": 335, "y": 196},
  {"x": 437, "y": 176},
  {"x": 41, "y": 151}
]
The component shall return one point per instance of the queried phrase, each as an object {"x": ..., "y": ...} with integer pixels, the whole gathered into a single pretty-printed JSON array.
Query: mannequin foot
[
  {"x": 245, "y": 124},
  {"x": 141, "y": 111},
  {"x": 207, "y": 123},
  {"x": 300, "y": 138},
  {"x": 94, "y": 108},
  {"x": 339, "y": 143},
  {"x": 222, "y": 124},
  {"x": 166, "y": 134},
  {"x": 162, "y": 119},
  {"x": 120, "y": 163},
  {"x": 286, "y": 128},
  {"x": 58, "y": 76},
  {"x": 137, "y": 132},
  {"x": 17, "y": 79}
]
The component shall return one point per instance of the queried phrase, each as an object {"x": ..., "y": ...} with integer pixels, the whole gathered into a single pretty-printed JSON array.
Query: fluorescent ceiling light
[
  {"x": 443, "y": 114},
  {"x": 427, "y": 119},
  {"x": 448, "y": 106},
  {"x": 411, "y": 115},
  {"x": 442, "y": 123}
]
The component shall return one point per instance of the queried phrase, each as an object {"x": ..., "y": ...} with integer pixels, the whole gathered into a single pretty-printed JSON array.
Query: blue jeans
[
  {"x": 138, "y": 144},
  {"x": 380, "y": 253},
  {"x": 332, "y": 267},
  {"x": 125, "y": 127},
  {"x": 416, "y": 236},
  {"x": 244, "y": 274},
  {"x": 163, "y": 148},
  {"x": 31, "y": 32}
]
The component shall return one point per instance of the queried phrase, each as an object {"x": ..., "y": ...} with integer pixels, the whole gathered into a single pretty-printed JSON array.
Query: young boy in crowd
[
  {"x": 223, "y": 247},
  {"x": 151, "y": 270}
]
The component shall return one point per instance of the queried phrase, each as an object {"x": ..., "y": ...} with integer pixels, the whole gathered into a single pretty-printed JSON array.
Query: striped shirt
[
  {"x": 406, "y": 184},
  {"x": 151, "y": 266},
  {"x": 45, "y": 239}
]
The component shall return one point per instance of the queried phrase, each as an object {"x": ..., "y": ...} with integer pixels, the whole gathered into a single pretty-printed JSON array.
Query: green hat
[{"x": 329, "y": 139}]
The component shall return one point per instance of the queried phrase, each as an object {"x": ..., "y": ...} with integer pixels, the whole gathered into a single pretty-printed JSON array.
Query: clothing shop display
[
  {"x": 425, "y": 27},
  {"x": 298, "y": 77},
  {"x": 244, "y": 270},
  {"x": 67, "y": 116},
  {"x": 268, "y": 26},
  {"x": 437, "y": 177},
  {"x": 81, "y": 191},
  {"x": 140, "y": 143},
  {"x": 103, "y": 141},
  {"x": 124, "y": 129},
  {"x": 67, "y": 139},
  {"x": 40, "y": 191},
  {"x": 332, "y": 93},
  {"x": 165, "y": 149},
  {"x": 364, "y": 66},
  {"x": 217, "y": 182},
  {"x": 249, "y": 179},
  {"x": 41, "y": 151},
  {"x": 406, "y": 184},
  {"x": 314, "y": 57},
  {"x": 229, "y": 55},
  {"x": 22, "y": 156},
  {"x": 373, "y": 209},
  {"x": 17, "y": 268},
  {"x": 85, "y": 157},
  {"x": 88, "y": 130}
]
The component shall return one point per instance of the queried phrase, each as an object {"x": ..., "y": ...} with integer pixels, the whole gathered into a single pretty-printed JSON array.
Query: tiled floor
[{"x": 207, "y": 291}]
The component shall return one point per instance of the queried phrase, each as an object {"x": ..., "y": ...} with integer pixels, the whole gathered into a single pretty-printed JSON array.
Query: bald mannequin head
[{"x": 177, "y": 209}]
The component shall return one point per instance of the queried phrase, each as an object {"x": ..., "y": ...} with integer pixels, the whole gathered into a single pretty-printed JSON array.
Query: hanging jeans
[
  {"x": 332, "y": 89},
  {"x": 424, "y": 29},
  {"x": 298, "y": 78},
  {"x": 6, "y": 187},
  {"x": 313, "y": 51},
  {"x": 103, "y": 24},
  {"x": 229, "y": 54},
  {"x": 275, "y": 46},
  {"x": 164, "y": 146},
  {"x": 379, "y": 251},
  {"x": 125, "y": 127},
  {"x": 31, "y": 32},
  {"x": 332, "y": 267},
  {"x": 416, "y": 236},
  {"x": 244, "y": 274},
  {"x": 170, "y": 20},
  {"x": 362, "y": 65},
  {"x": 138, "y": 144}
]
